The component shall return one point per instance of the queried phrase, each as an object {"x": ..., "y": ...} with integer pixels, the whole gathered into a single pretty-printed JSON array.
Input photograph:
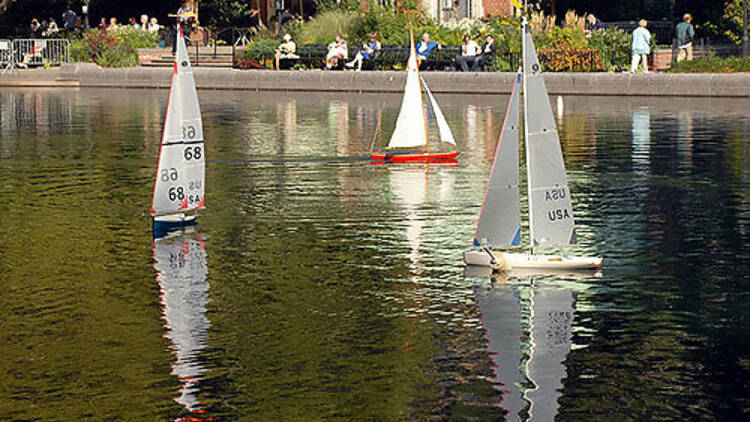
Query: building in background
[{"x": 445, "y": 10}]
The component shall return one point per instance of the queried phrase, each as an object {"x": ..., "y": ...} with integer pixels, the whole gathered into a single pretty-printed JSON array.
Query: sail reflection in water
[
  {"x": 529, "y": 331},
  {"x": 181, "y": 268}
]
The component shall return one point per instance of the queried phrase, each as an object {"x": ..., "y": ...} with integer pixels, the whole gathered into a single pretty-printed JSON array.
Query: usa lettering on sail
[{"x": 555, "y": 194}]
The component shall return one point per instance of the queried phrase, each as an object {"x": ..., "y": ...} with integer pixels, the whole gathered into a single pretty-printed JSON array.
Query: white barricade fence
[
  {"x": 39, "y": 52},
  {"x": 6, "y": 54}
]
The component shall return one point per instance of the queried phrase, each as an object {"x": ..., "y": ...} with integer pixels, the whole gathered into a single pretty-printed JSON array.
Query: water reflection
[
  {"x": 181, "y": 266},
  {"x": 641, "y": 135},
  {"x": 529, "y": 323},
  {"x": 409, "y": 183}
]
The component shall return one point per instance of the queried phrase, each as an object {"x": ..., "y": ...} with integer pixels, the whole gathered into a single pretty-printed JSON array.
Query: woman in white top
[{"x": 469, "y": 54}]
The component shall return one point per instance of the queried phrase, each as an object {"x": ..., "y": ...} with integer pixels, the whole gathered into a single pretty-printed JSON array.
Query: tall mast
[
  {"x": 526, "y": 133},
  {"x": 419, "y": 78}
]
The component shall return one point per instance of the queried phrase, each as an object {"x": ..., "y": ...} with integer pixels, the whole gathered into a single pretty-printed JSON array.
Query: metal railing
[
  {"x": 34, "y": 52},
  {"x": 6, "y": 54}
]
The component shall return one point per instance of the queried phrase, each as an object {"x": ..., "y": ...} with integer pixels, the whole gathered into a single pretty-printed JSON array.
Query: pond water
[{"x": 320, "y": 287}]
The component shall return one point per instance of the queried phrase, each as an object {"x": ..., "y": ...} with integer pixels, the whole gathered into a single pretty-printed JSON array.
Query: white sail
[
  {"x": 443, "y": 129},
  {"x": 181, "y": 268},
  {"x": 500, "y": 217},
  {"x": 411, "y": 126},
  {"x": 181, "y": 173},
  {"x": 550, "y": 211}
]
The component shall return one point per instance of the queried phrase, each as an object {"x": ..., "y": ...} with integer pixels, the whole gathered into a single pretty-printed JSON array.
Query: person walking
[
  {"x": 685, "y": 33},
  {"x": 640, "y": 46}
]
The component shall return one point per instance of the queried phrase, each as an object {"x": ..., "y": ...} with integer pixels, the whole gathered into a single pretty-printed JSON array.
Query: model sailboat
[
  {"x": 409, "y": 141},
  {"x": 180, "y": 177},
  {"x": 550, "y": 211}
]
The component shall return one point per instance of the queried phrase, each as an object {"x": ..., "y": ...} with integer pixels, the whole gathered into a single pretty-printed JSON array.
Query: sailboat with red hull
[{"x": 410, "y": 142}]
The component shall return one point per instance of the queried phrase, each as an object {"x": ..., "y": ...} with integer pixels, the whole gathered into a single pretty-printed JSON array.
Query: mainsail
[
  {"x": 411, "y": 126},
  {"x": 181, "y": 173},
  {"x": 500, "y": 217},
  {"x": 443, "y": 129},
  {"x": 550, "y": 211}
]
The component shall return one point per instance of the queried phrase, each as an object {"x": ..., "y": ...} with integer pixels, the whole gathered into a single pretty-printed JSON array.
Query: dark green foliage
[
  {"x": 713, "y": 64},
  {"x": 613, "y": 46}
]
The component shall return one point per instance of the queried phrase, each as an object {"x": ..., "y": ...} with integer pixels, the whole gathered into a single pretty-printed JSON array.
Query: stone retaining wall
[{"x": 86, "y": 75}]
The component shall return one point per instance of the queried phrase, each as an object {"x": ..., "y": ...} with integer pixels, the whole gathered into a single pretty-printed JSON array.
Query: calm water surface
[{"x": 320, "y": 287}]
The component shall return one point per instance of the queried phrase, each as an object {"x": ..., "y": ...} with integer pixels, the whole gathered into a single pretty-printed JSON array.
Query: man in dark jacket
[
  {"x": 69, "y": 20},
  {"x": 487, "y": 54}
]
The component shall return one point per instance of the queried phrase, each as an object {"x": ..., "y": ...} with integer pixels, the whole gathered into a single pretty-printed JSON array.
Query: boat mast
[
  {"x": 526, "y": 133},
  {"x": 419, "y": 78}
]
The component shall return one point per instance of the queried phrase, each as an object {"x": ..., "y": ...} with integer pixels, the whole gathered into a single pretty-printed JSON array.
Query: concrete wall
[{"x": 609, "y": 84}]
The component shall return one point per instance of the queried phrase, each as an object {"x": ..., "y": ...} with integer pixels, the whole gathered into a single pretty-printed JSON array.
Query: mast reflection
[
  {"x": 180, "y": 262},
  {"x": 529, "y": 334}
]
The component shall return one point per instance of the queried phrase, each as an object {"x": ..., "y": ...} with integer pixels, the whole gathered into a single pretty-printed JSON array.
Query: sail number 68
[
  {"x": 169, "y": 174},
  {"x": 192, "y": 152},
  {"x": 188, "y": 132}
]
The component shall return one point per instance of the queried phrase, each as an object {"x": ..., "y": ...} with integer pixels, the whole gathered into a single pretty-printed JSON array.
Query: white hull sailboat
[
  {"x": 551, "y": 221},
  {"x": 180, "y": 177},
  {"x": 410, "y": 142}
]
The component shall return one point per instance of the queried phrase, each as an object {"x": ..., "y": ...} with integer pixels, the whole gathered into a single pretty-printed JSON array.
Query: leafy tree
[
  {"x": 223, "y": 13},
  {"x": 733, "y": 15}
]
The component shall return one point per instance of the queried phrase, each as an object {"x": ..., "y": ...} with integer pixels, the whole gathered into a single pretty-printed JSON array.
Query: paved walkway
[{"x": 87, "y": 75}]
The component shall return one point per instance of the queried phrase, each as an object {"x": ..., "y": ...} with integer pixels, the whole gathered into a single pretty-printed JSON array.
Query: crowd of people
[
  {"x": 145, "y": 23},
  {"x": 48, "y": 28},
  {"x": 473, "y": 57}
]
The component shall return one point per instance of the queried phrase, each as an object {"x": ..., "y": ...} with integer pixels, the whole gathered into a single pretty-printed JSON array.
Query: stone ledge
[{"x": 606, "y": 84}]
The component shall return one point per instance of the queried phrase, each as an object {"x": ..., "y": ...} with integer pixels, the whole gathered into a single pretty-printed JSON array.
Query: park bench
[{"x": 312, "y": 56}]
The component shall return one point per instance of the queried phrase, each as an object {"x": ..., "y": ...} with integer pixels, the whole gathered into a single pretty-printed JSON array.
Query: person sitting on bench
[
  {"x": 424, "y": 48},
  {"x": 337, "y": 50},
  {"x": 487, "y": 54},
  {"x": 469, "y": 54},
  {"x": 367, "y": 53},
  {"x": 286, "y": 50}
]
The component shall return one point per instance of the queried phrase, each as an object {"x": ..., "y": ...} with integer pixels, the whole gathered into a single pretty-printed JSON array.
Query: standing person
[
  {"x": 102, "y": 24},
  {"x": 183, "y": 19},
  {"x": 424, "y": 48},
  {"x": 112, "y": 24},
  {"x": 35, "y": 29},
  {"x": 593, "y": 24},
  {"x": 153, "y": 25},
  {"x": 144, "y": 22},
  {"x": 469, "y": 54},
  {"x": 69, "y": 20},
  {"x": 366, "y": 53},
  {"x": 640, "y": 46},
  {"x": 286, "y": 50},
  {"x": 685, "y": 33}
]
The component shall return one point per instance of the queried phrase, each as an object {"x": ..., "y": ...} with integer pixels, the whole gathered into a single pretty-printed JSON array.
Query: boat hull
[
  {"x": 414, "y": 157},
  {"x": 165, "y": 224},
  {"x": 525, "y": 261}
]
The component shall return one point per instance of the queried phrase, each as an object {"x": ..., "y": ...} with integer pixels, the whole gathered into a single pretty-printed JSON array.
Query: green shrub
[
  {"x": 713, "y": 64},
  {"x": 136, "y": 38},
  {"x": 613, "y": 46},
  {"x": 102, "y": 48},
  {"x": 326, "y": 25},
  {"x": 261, "y": 48}
]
